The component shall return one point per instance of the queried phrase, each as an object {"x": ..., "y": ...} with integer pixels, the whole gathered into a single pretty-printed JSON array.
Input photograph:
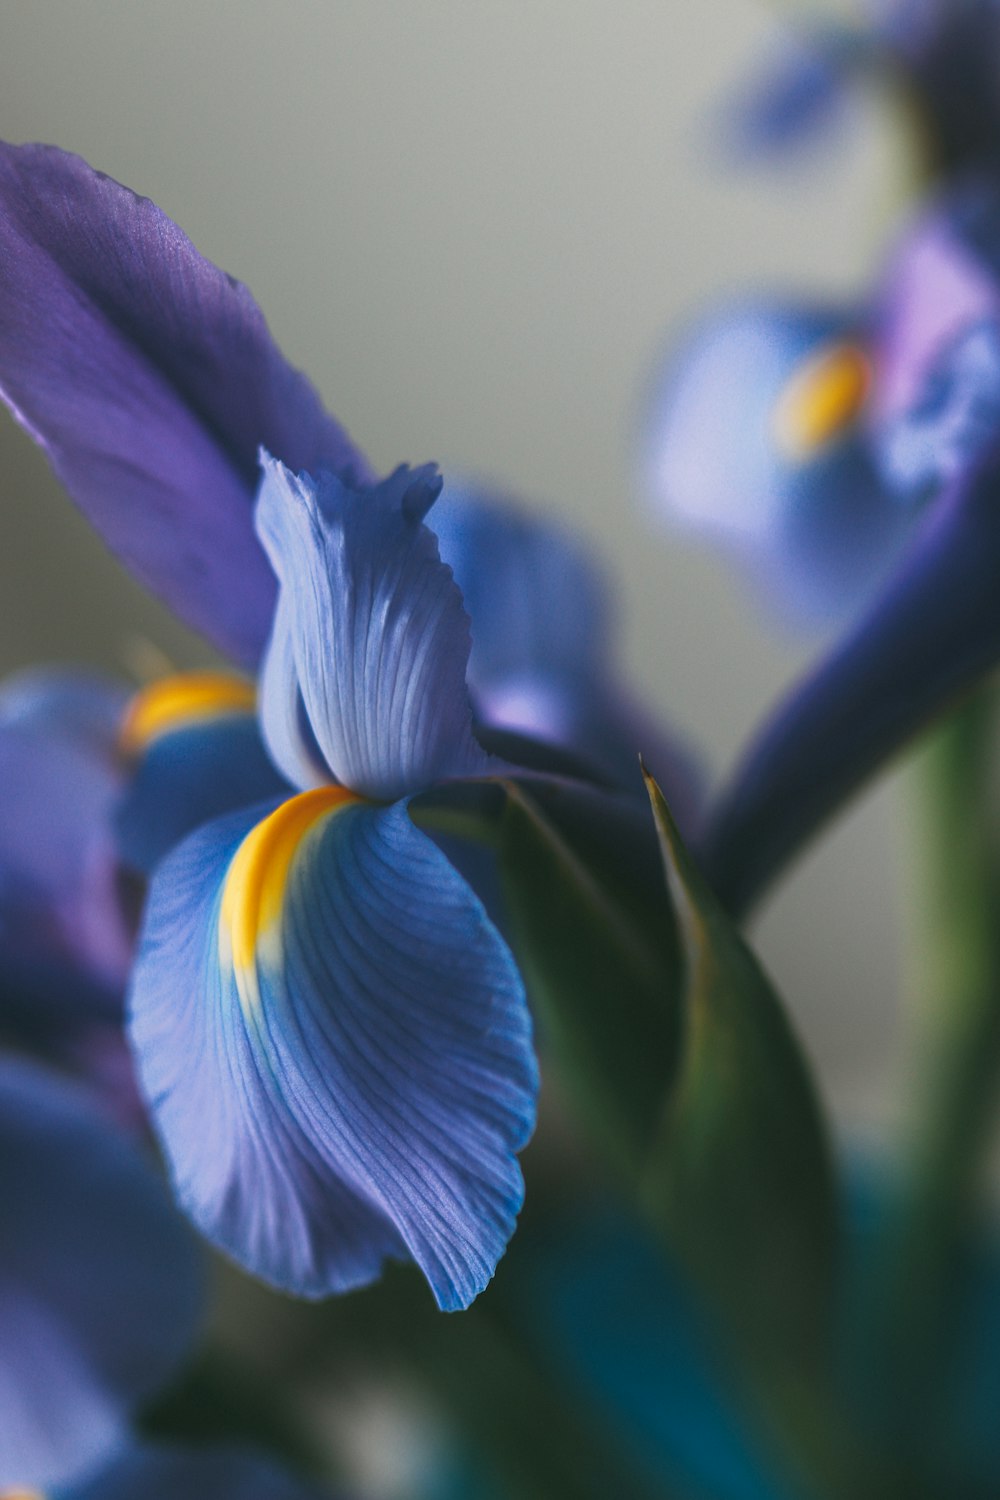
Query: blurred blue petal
[
  {"x": 371, "y": 624},
  {"x": 957, "y": 420},
  {"x": 100, "y": 1281},
  {"x": 941, "y": 280},
  {"x": 162, "y": 1473},
  {"x": 796, "y": 96},
  {"x": 939, "y": 59},
  {"x": 82, "y": 706},
  {"x": 536, "y": 600},
  {"x": 187, "y": 774},
  {"x": 150, "y": 379},
  {"x": 336, "y": 1048},
  {"x": 754, "y": 438},
  {"x": 64, "y": 944},
  {"x": 541, "y": 664}
]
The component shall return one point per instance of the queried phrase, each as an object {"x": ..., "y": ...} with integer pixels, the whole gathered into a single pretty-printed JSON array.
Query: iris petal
[
  {"x": 100, "y": 1286},
  {"x": 753, "y": 440},
  {"x": 150, "y": 378},
  {"x": 932, "y": 635},
  {"x": 540, "y": 664},
  {"x": 373, "y": 623},
  {"x": 955, "y": 423},
  {"x": 187, "y": 777},
  {"x": 64, "y": 947},
  {"x": 336, "y": 1046}
]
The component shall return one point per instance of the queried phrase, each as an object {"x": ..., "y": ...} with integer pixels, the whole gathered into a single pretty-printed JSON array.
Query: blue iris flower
[
  {"x": 939, "y": 56},
  {"x": 756, "y": 437},
  {"x": 100, "y": 1281},
  {"x": 97, "y": 785},
  {"x": 333, "y": 1037},
  {"x": 319, "y": 993},
  {"x": 932, "y": 628}
]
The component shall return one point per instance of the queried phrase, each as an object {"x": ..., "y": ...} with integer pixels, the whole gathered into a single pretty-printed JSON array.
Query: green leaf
[
  {"x": 596, "y": 945},
  {"x": 739, "y": 1178}
]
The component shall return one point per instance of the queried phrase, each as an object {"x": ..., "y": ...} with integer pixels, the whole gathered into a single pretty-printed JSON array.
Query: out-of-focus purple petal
[
  {"x": 813, "y": 525},
  {"x": 957, "y": 420},
  {"x": 536, "y": 601},
  {"x": 372, "y": 623},
  {"x": 100, "y": 1281},
  {"x": 70, "y": 703},
  {"x": 942, "y": 280},
  {"x": 338, "y": 1059},
  {"x": 154, "y": 1472},
  {"x": 60, "y": 913},
  {"x": 932, "y": 635},
  {"x": 150, "y": 379},
  {"x": 541, "y": 664},
  {"x": 796, "y": 96}
]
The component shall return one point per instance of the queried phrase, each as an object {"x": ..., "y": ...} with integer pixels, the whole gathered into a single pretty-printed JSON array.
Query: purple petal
[
  {"x": 541, "y": 664},
  {"x": 941, "y": 281},
  {"x": 338, "y": 1059},
  {"x": 934, "y": 634},
  {"x": 60, "y": 913},
  {"x": 150, "y": 379},
  {"x": 100, "y": 1281},
  {"x": 371, "y": 623},
  {"x": 808, "y": 519}
]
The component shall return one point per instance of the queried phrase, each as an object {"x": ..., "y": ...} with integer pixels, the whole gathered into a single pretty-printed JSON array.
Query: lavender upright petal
[
  {"x": 371, "y": 622},
  {"x": 150, "y": 379}
]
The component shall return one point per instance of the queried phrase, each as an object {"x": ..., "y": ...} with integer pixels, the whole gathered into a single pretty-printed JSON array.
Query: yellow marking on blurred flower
[
  {"x": 824, "y": 396},
  {"x": 19, "y": 1494},
  {"x": 254, "y": 888},
  {"x": 178, "y": 701}
]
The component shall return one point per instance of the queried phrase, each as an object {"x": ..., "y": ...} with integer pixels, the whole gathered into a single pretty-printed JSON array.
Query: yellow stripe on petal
[
  {"x": 19, "y": 1494},
  {"x": 822, "y": 398},
  {"x": 182, "y": 700},
  {"x": 255, "y": 884}
]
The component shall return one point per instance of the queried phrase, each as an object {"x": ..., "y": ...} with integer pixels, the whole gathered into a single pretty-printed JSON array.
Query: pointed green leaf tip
[{"x": 739, "y": 1178}]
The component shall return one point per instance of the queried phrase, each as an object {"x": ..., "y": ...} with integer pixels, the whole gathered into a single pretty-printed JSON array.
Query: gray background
[{"x": 475, "y": 223}]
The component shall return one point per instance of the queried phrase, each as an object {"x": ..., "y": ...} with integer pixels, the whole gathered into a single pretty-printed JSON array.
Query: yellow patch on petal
[
  {"x": 822, "y": 398},
  {"x": 19, "y": 1494},
  {"x": 254, "y": 890},
  {"x": 182, "y": 700}
]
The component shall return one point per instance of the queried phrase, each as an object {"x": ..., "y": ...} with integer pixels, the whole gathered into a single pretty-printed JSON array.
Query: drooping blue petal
[
  {"x": 933, "y": 634},
  {"x": 336, "y": 1048},
  {"x": 541, "y": 663},
  {"x": 754, "y": 439},
  {"x": 186, "y": 777},
  {"x": 150, "y": 379},
  {"x": 100, "y": 1282},
  {"x": 155, "y": 1472},
  {"x": 372, "y": 623}
]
